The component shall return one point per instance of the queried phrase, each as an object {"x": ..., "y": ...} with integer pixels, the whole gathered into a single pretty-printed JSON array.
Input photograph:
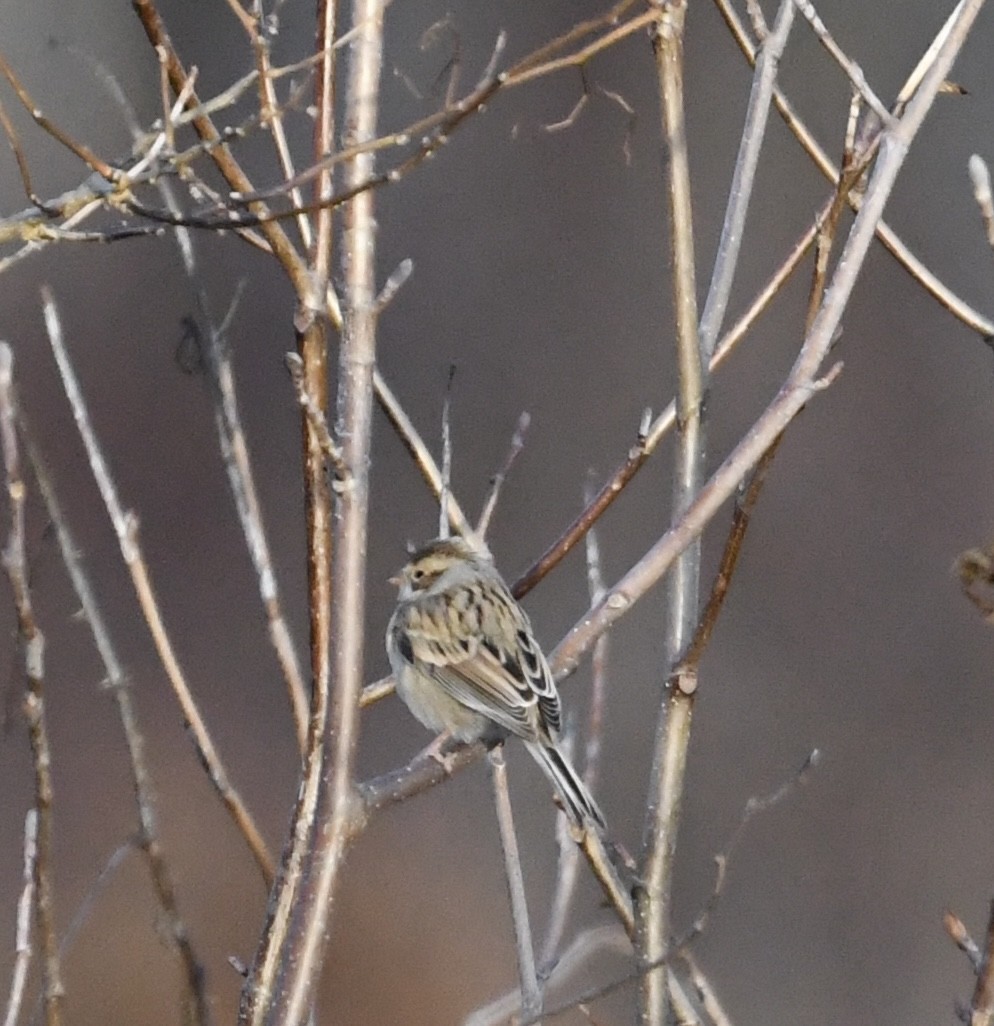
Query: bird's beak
[{"x": 396, "y": 580}]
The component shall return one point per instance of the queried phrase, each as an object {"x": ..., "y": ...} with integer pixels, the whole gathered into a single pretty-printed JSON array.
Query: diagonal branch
[{"x": 125, "y": 525}]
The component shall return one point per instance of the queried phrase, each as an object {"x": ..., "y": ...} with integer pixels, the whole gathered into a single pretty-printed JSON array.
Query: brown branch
[
  {"x": 125, "y": 525},
  {"x": 33, "y": 641},
  {"x": 960, "y": 936},
  {"x": 148, "y": 840},
  {"x": 317, "y": 422},
  {"x": 84, "y": 153},
  {"x": 13, "y": 140},
  {"x": 653, "y": 896},
  {"x": 324, "y": 141},
  {"x": 651, "y": 434},
  {"x": 291, "y": 954},
  {"x": 982, "y": 1002},
  {"x": 158, "y": 37}
]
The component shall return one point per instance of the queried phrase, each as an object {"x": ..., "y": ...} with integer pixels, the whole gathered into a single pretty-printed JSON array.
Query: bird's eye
[{"x": 417, "y": 575}]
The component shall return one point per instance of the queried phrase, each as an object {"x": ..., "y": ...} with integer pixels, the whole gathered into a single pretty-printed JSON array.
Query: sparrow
[{"x": 467, "y": 664}]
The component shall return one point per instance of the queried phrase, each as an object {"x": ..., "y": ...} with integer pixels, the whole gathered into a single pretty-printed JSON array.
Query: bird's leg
[{"x": 434, "y": 751}]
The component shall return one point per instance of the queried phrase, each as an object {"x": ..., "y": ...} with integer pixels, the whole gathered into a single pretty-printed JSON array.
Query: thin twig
[
  {"x": 652, "y": 432},
  {"x": 84, "y": 153},
  {"x": 567, "y": 872},
  {"x": 980, "y": 176},
  {"x": 229, "y": 168},
  {"x": 982, "y": 1002},
  {"x": 957, "y": 306},
  {"x": 125, "y": 525},
  {"x": 148, "y": 839},
  {"x": 743, "y": 178},
  {"x": 717, "y": 1015},
  {"x": 16, "y": 566},
  {"x": 852, "y": 70},
  {"x": 517, "y": 444},
  {"x": 420, "y": 453},
  {"x": 443, "y": 499},
  {"x": 753, "y": 807},
  {"x": 677, "y": 995},
  {"x": 803, "y": 381},
  {"x": 22, "y": 940},
  {"x": 591, "y": 943},
  {"x": 531, "y": 992},
  {"x": 233, "y": 444},
  {"x": 316, "y": 418},
  {"x": 960, "y": 936},
  {"x": 394, "y": 284},
  {"x": 241, "y": 479}
]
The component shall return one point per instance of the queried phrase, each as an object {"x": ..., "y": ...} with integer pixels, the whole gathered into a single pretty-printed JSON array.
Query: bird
[{"x": 466, "y": 663}]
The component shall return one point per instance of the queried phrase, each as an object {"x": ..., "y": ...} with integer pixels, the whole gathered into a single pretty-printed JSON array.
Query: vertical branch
[
  {"x": 22, "y": 942},
  {"x": 288, "y": 965},
  {"x": 238, "y": 464},
  {"x": 673, "y": 736},
  {"x": 569, "y": 853},
  {"x": 531, "y": 993},
  {"x": 15, "y": 564},
  {"x": 324, "y": 141}
]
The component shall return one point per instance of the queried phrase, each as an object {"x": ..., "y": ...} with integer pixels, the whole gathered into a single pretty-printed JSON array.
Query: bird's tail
[{"x": 577, "y": 802}]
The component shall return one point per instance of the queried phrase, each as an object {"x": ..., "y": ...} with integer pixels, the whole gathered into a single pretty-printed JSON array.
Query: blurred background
[{"x": 541, "y": 268}]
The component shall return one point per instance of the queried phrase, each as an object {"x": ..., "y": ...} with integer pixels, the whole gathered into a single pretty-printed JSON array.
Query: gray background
[{"x": 541, "y": 269}]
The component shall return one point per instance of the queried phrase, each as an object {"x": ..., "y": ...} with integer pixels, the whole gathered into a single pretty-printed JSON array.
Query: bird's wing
[{"x": 499, "y": 672}]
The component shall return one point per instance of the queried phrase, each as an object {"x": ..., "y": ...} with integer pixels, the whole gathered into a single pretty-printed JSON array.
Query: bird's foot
[{"x": 434, "y": 751}]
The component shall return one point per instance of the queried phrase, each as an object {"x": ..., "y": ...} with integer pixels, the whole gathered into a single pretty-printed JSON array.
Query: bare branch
[
  {"x": 666, "y": 785},
  {"x": 394, "y": 284},
  {"x": 982, "y": 1002},
  {"x": 706, "y": 992},
  {"x": 743, "y": 178},
  {"x": 148, "y": 839},
  {"x": 531, "y": 992},
  {"x": 84, "y": 153},
  {"x": 804, "y": 382},
  {"x": 517, "y": 444},
  {"x": 852, "y": 70},
  {"x": 569, "y": 855},
  {"x": 316, "y": 418},
  {"x": 753, "y": 807},
  {"x": 443, "y": 500},
  {"x": 125, "y": 525},
  {"x": 981, "y": 178},
  {"x": 582, "y": 949},
  {"x": 960, "y": 936},
  {"x": 420, "y": 452},
  {"x": 22, "y": 942},
  {"x": 288, "y": 963},
  {"x": 957, "y": 306},
  {"x": 16, "y": 566}
]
